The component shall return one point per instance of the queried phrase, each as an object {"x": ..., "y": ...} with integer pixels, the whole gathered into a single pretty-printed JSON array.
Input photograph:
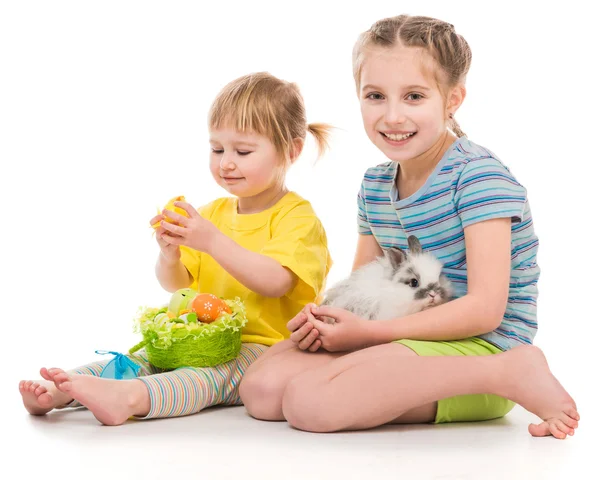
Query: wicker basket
[{"x": 172, "y": 343}]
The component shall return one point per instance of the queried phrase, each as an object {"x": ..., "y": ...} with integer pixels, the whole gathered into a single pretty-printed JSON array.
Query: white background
[{"x": 103, "y": 111}]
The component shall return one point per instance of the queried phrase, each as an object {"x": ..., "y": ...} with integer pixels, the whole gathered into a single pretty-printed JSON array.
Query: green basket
[{"x": 171, "y": 344}]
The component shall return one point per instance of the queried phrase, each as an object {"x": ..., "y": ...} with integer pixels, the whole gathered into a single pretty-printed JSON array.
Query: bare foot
[
  {"x": 111, "y": 401},
  {"x": 42, "y": 396},
  {"x": 537, "y": 390}
]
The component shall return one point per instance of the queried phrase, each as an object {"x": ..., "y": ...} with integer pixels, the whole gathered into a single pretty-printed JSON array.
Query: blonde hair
[
  {"x": 449, "y": 50},
  {"x": 268, "y": 106}
]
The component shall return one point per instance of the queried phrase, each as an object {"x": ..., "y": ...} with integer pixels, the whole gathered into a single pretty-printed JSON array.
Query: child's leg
[
  {"x": 265, "y": 381},
  {"x": 381, "y": 388},
  {"x": 42, "y": 396},
  {"x": 179, "y": 392},
  {"x": 262, "y": 387}
]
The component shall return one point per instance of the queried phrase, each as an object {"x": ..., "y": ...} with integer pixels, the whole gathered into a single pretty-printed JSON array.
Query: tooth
[{"x": 397, "y": 137}]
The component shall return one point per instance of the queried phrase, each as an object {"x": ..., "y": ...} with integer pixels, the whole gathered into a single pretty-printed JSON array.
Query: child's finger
[
  {"x": 322, "y": 327},
  {"x": 301, "y": 332},
  {"x": 155, "y": 219},
  {"x": 325, "y": 319},
  {"x": 327, "y": 311},
  {"x": 307, "y": 342},
  {"x": 191, "y": 211},
  {"x": 180, "y": 219},
  {"x": 315, "y": 346},
  {"x": 297, "y": 322},
  {"x": 171, "y": 239},
  {"x": 174, "y": 229}
]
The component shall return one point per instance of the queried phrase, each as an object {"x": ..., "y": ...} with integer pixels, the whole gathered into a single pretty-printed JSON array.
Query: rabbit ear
[
  {"x": 414, "y": 246},
  {"x": 396, "y": 256}
]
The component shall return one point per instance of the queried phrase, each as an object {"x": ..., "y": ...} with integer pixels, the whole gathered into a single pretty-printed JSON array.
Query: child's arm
[
  {"x": 257, "y": 272},
  {"x": 367, "y": 250},
  {"x": 170, "y": 271},
  {"x": 480, "y": 311},
  {"x": 172, "y": 275}
]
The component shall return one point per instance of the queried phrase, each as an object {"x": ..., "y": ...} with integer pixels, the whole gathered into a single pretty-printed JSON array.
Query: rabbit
[{"x": 394, "y": 285}]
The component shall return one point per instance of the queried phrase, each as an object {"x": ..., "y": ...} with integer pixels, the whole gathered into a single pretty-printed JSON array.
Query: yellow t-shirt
[{"x": 289, "y": 232}]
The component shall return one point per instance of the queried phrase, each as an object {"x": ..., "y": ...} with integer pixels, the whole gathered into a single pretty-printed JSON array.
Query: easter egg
[
  {"x": 171, "y": 206},
  {"x": 209, "y": 307},
  {"x": 181, "y": 300}
]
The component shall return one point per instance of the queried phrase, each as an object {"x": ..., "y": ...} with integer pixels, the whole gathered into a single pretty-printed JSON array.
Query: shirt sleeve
[
  {"x": 364, "y": 228},
  {"x": 299, "y": 243},
  {"x": 485, "y": 190},
  {"x": 190, "y": 257}
]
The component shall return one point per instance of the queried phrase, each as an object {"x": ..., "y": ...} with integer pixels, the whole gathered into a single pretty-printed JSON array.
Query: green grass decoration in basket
[{"x": 195, "y": 330}]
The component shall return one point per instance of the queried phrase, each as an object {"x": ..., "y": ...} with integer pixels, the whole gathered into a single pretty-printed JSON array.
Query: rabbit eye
[{"x": 414, "y": 283}]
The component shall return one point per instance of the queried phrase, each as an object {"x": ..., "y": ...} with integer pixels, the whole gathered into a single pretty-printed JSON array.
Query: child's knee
[
  {"x": 261, "y": 392},
  {"x": 304, "y": 408}
]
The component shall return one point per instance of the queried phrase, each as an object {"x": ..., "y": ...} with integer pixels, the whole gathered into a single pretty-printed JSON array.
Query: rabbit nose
[{"x": 432, "y": 294}]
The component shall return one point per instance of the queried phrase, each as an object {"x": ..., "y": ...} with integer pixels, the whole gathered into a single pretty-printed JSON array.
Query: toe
[
  {"x": 573, "y": 413},
  {"x": 39, "y": 390},
  {"x": 563, "y": 427},
  {"x": 569, "y": 421},
  {"x": 540, "y": 430},
  {"x": 45, "y": 400},
  {"x": 45, "y": 374},
  {"x": 554, "y": 430}
]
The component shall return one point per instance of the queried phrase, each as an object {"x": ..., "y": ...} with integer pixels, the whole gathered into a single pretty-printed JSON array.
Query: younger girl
[
  {"x": 264, "y": 244},
  {"x": 444, "y": 364}
]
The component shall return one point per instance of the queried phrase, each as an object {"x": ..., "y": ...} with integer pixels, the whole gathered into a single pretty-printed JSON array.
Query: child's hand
[
  {"x": 349, "y": 332},
  {"x": 195, "y": 232},
  {"x": 171, "y": 253},
  {"x": 304, "y": 334}
]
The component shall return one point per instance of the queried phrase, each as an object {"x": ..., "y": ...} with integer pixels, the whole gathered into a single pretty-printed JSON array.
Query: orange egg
[{"x": 209, "y": 307}]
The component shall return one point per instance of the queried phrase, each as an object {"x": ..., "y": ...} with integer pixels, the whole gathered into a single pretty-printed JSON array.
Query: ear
[
  {"x": 456, "y": 96},
  {"x": 296, "y": 149},
  {"x": 414, "y": 246},
  {"x": 396, "y": 256}
]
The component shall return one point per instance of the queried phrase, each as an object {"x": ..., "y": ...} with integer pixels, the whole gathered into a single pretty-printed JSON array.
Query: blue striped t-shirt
[{"x": 468, "y": 185}]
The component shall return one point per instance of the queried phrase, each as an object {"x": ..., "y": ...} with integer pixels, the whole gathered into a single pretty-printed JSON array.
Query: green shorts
[{"x": 463, "y": 408}]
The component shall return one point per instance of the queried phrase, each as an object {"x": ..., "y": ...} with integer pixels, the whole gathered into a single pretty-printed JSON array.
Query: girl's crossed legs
[
  {"x": 263, "y": 386},
  {"x": 391, "y": 384}
]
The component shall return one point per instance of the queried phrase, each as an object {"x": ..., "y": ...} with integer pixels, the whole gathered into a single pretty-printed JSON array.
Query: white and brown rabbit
[{"x": 397, "y": 284}]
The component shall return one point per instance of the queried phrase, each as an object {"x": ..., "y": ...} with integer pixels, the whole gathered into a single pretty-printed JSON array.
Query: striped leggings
[{"x": 187, "y": 390}]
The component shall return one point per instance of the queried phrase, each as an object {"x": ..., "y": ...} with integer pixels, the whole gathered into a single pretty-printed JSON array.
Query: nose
[
  {"x": 227, "y": 162},
  {"x": 394, "y": 114},
  {"x": 432, "y": 294}
]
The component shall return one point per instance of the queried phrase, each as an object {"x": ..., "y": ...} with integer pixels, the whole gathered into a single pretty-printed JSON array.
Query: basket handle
[{"x": 139, "y": 346}]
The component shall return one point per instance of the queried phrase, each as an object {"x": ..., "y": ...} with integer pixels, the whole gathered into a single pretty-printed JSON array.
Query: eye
[
  {"x": 414, "y": 283},
  {"x": 414, "y": 97},
  {"x": 374, "y": 96},
  {"x": 243, "y": 153},
  {"x": 215, "y": 150}
]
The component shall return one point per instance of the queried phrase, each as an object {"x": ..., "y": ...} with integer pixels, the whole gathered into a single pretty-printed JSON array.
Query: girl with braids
[{"x": 466, "y": 360}]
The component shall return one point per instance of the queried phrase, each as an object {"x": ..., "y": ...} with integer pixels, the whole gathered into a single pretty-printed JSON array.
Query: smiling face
[
  {"x": 244, "y": 163},
  {"x": 404, "y": 112}
]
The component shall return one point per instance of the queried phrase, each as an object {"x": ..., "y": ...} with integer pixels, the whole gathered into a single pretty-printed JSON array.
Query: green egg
[{"x": 181, "y": 300}]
